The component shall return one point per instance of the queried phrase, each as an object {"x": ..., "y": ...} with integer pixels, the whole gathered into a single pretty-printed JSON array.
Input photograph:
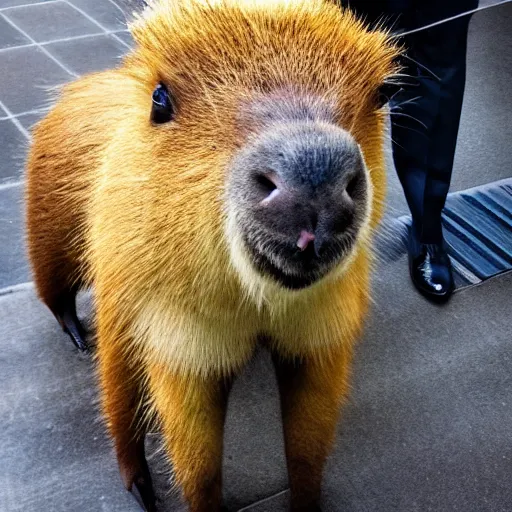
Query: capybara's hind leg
[
  {"x": 56, "y": 271},
  {"x": 54, "y": 227},
  {"x": 65, "y": 312},
  {"x": 59, "y": 294}
]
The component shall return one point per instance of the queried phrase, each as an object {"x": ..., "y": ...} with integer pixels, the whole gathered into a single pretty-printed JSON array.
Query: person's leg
[
  {"x": 413, "y": 114},
  {"x": 425, "y": 122},
  {"x": 425, "y": 128},
  {"x": 443, "y": 138}
]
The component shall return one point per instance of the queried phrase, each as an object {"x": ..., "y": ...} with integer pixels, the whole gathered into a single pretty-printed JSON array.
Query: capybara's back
[
  {"x": 219, "y": 190},
  {"x": 63, "y": 159}
]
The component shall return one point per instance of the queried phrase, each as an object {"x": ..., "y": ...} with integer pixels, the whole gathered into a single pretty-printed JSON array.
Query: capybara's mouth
[{"x": 295, "y": 269}]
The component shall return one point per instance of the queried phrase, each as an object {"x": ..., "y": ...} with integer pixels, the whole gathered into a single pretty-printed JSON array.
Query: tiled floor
[
  {"x": 88, "y": 54},
  {"x": 50, "y": 20},
  {"x": 9, "y": 36},
  {"x": 14, "y": 267},
  {"x": 28, "y": 71},
  {"x": 43, "y": 43},
  {"x": 13, "y": 145}
]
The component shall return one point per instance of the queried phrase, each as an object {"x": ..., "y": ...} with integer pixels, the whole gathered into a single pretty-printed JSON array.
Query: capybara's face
[
  {"x": 299, "y": 191},
  {"x": 276, "y": 105}
]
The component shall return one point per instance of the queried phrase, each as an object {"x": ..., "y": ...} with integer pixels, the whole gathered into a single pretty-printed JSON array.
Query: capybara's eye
[{"x": 162, "y": 110}]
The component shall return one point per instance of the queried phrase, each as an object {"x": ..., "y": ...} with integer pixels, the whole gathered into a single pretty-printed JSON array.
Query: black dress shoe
[{"x": 431, "y": 270}]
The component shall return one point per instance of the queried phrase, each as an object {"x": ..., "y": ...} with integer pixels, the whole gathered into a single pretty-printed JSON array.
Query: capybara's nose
[{"x": 312, "y": 181}]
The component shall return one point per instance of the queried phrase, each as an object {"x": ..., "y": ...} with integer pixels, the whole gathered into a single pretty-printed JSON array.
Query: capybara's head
[{"x": 265, "y": 117}]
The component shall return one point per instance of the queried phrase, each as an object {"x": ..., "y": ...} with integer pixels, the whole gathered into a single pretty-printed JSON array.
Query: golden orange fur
[{"x": 138, "y": 211}]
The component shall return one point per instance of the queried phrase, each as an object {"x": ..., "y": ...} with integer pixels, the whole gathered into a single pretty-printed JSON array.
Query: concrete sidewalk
[{"x": 427, "y": 426}]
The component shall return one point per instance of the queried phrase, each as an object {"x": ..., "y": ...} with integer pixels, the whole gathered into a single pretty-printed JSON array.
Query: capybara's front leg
[
  {"x": 311, "y": 394},
  {"x": 191, "y": 411},
  {"x": 122, "y": 402}
]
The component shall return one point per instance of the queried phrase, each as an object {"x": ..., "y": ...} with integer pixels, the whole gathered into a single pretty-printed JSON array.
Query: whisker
[
  {"x": 408, "y": 57},
  {"x": 410, "y": 117},
  {"x": 405, "y": 102},
  {"x": 396, "y": 143}
]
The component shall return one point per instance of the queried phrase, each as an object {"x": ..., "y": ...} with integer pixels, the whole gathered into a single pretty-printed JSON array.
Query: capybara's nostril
[
  {"x": 268, "y": 186},
  {"x": 356, "y": 186},
  {"x": 352, "y": 186},
  {"x": 266, "y": 183}
]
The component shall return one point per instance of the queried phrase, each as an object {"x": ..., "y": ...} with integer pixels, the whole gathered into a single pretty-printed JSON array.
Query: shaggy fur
[{"x": 140, "y": 211}]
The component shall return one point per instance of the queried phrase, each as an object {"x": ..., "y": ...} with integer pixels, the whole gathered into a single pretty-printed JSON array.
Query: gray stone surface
[
  {"x": 26, "y": 75},
  {"x": 28, "y": 120},
  {"x": 126, "y": 37},
  {"x": 88, "y": 54},
  {"x": 275, "y": 503},
  {"x": 9, "y": 36},
  {"x": 14, "y": 145},
  {"x": 55, "y": 455},
  {"x": 52, "y": 20},
  {"x": 491, "y": 3},
  {"x": 106, "y": 12},
  {"x": 14, "y": 3},
  {"x": 427, "y": 427},
  {"x": 254, "y": 463},
  {"x": 14, "y": 267}
]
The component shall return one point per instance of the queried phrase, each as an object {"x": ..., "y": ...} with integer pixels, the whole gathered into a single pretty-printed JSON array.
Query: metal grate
[{"x": 478, "y": 231}]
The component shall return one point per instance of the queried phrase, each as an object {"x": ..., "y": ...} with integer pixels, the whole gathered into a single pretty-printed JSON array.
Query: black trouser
[{"x": 426, "y": 115}]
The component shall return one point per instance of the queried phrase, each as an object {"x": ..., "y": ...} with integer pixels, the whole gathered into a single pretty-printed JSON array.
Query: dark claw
[
  {"x": 142, "y": 490},
  {"x": 72, "y": 326}
]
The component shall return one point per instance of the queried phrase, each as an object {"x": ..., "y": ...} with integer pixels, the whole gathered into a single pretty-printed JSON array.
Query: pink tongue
[{"x": 304, "y": 239}]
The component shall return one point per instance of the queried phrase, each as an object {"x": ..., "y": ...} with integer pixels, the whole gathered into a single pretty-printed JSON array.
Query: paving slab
[
  {"x": 126, "y": 37},
  {"x": 49, "y": 21},
  {"x": 14, "y": 268},
  {"x": 278, "y": 502},
  {"x": 29, "y": 120},
  {"x": 105, "y": 12},
  {"x": 427, "y": 427},
  {"x": 27, "y": 75},
  {"x": 57, "y": 455},
  {"x": 85, "y": 55},
  {"x": 14, "y": 3},
  {"x": 14, "y": 146},
  {"x": 9, "y": 36}
]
